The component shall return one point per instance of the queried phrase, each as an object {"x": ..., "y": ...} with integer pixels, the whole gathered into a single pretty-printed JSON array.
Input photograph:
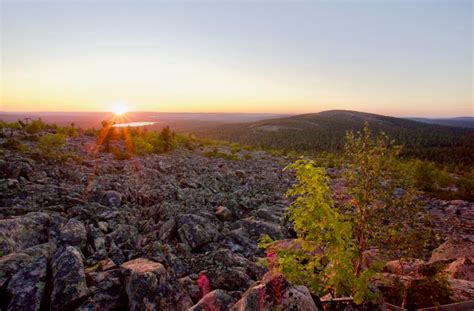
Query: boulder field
[{"x": 177, "y": 231}]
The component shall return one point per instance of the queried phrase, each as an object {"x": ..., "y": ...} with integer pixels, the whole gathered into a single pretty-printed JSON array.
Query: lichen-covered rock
[
  {"x": 73, "y": 233},
  {"x": 69, "y": 280},
  {"x": 216, "y": 300},
  {"x": 111, "y": 198},
  {"x": 106, "y": 290},
  {"x": 14, "y": 262},
  {"x": 26, "y": 288},
  {"x": 11, "y": 264},
  {"x": 195, "y": 230},
  {"x": 149, "y": 287},
  {"x": 275, "y": 292},
  {"x": 21, "y": 232}
]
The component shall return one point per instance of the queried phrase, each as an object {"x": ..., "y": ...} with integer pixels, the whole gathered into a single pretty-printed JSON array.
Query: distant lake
[{"x": 133, "y": 124}]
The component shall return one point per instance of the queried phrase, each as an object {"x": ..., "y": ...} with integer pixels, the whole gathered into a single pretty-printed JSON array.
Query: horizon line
[{"x": 245, "y": 113}]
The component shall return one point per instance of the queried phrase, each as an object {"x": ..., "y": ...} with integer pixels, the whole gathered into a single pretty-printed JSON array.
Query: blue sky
[{"x": 404, "y": 58}]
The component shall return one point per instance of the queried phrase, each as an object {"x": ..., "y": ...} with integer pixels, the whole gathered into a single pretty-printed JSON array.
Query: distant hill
[
  {"x": 467, "y": 122},
  {"x": 325, "y": 131}
]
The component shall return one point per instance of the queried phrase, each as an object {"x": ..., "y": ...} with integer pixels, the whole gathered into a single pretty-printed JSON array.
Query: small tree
[
  {"x": 168, "y": 139},
  {"x": 329, "y": 254},
  {"x": 383, "y": 208}
]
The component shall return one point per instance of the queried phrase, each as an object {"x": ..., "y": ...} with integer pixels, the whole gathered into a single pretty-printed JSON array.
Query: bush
[
  {"x": 69, "y": 131},
  {"x": 382, "y": 213},
  {"x": 465, "y": 185},
  {"x": 35, "y": 126},
  {"x": 92, "y": 132},
  {"x": 14, "y": 144},
  {"x": 217, "y": 154},
  {"x": 49, "y": 145},
  {"x": 141, "y": 146},
  {"x": 10, "y": 125},
  {"x": 425, "y": 174}
]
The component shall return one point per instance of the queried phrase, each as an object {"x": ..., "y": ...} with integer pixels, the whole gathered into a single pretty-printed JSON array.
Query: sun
[{"x": 119, "y": 109}]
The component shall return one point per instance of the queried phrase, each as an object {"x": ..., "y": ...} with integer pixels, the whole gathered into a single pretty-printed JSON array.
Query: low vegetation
[{"x": 382, "y": 213}]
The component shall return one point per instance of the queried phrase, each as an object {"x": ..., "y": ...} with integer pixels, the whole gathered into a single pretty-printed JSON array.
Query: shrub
[
  {"x": 465, "y": 185},
  {"x": 189, "y": 142},
  {"x": 92, "y": 132},
  {"x": 215, "y": 153},
  {"x": 35, "y": 126},
  {"x": 382, "y": 213},
  {"x": 69, "y": 131},
  {"x": 141, "y": 146},
  {"x": 14, "y": 144},
  {"x": 10, "y": 125},
  {"x": 49, "y": 145}
]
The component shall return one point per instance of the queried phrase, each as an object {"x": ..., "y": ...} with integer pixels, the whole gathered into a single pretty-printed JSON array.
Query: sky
[{"x": 400, "y": 58}]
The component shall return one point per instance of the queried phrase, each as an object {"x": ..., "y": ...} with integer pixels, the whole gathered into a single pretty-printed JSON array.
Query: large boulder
[
  {"x": 14, "y": 262},
  {"x": 216, "y": 300},
  {"x": 73, "y": 233},
  {"x": 11, "y": 264},
  {"x": 196, "y": 231},
  {"x": 69, "y": 280},
  {"x": 21, "y": 232},
  {"x": 275, "y": 292},
  {"x": 27, "y": 286},
  {"x": 453, "y": 249},
  {"x": 149, "y": 287}
]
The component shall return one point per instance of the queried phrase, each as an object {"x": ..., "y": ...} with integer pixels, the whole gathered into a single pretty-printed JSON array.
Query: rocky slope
[
  {"x": 156, "y": 232},
  {"x": 168, "y": 232}
]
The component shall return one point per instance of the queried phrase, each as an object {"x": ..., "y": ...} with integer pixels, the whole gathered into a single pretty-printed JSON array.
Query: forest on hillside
[{"x": 325, "y": 132}]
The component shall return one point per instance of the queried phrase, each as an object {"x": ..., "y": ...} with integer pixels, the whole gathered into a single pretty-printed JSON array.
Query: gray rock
[
  {"x": 96, "y": 238},
  {"x": 223, "y": 213},
  {"x": 195, "y": 230},
  {"x": 111, "y": 198},
  {"x": 148, "y": 287},
  {"x": 107, "y": 291},
  {"x": 168, "y": 230},
  {"x": 11, "y": 264},
  {"x": 256, "y": 227},
  {"x": 21, "y": 232},
  {"x": 27, "y": 286},
  {"x": 69, "y": 280},
  {"x": 73, "y": 233}
]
